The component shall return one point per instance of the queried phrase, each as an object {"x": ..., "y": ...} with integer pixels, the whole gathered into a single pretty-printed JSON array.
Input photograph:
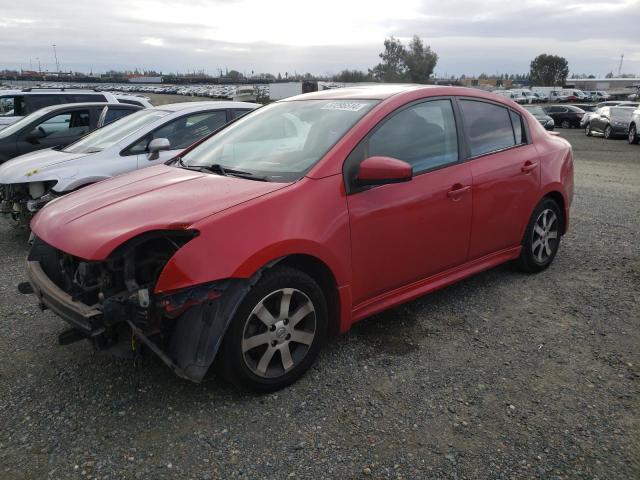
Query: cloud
[{"x": 319, "y": 37}]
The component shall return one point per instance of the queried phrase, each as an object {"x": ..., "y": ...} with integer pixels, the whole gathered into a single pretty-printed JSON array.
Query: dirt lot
[{"x": 503, "y": 376}]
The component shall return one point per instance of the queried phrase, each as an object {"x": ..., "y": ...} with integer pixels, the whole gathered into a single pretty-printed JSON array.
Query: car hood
[
  {"x": 93, "y": 221},
  {"x": 37, "y": 166}
]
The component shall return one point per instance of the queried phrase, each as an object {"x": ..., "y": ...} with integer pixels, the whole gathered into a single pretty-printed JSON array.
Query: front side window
[
  {"x": 488, "y": 126},
  {"x": 281, "y": 141},
  {"x": 65, "y": 124},
  {"x": 423, "y": 135},
  {"x": 184, "y": 131},
  {"x": 109, "y": 135}
]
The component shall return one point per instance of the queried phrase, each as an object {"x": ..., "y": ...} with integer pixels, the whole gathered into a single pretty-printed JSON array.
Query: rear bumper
[{"x": 82, "y": 317}]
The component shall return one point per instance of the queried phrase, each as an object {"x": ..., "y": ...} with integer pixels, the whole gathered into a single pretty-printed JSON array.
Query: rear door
[
  {"x": 506, "y": 175},
  {"x": 405, "y": 232}
]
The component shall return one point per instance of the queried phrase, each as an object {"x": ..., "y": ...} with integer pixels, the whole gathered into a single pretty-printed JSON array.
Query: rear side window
[
  {"x": 488, "y": 127},
  {"x": 115, "y": 113},
  {"x": 423, "y": 135},
  {"x": 84, "y": 97},
  {"x": 238, "y": 113},
  {"x": 12, "y": 106},
  {"x": 36, "y": 102}
]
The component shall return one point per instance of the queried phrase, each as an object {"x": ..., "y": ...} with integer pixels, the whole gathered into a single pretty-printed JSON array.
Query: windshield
[
  {"x": 536, "y": 111},
  {"x": 281, "y": 141},
  {"x": 622, "y": 113},
  {"x": 111, "y": 134},
  {"x": 20, "y": 124}
]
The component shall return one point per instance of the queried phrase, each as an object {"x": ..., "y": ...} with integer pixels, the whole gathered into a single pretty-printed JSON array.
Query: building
[{"x": 591, "y": 84}]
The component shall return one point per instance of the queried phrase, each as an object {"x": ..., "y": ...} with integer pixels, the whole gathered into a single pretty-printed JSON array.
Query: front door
[
  {"x": 55, "y": 130},
  {"x": 405, "y": 232}
]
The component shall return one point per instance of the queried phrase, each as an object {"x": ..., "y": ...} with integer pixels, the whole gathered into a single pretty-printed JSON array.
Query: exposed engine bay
[
  {"x": 112, "y": 303},
  {"x": 21, "y": 201}
]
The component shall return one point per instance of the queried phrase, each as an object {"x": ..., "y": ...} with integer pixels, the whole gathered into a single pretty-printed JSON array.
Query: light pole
[{"x": 55, "y": 54}]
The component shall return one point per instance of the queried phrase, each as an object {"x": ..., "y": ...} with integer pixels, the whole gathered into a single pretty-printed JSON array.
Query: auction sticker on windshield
[{"x": 345, "y": 106}]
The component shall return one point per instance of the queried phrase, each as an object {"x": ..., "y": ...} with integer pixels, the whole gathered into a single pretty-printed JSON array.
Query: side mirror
[
  {"x": 34, "y": 135},
  {"x": 383, "y": 170},
  {"x": 157, "y": 145}
]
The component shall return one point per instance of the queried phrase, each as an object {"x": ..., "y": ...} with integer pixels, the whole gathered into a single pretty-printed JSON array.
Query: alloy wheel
[
  {"x": 607, "y": 132},
  {"x": 545, "y": 236},
  {"x": 633, "y": 135},
  {"x": 565, "y": 124},
  {"x": 587, "y": 130},
  {"x": 278, "y": 333}
]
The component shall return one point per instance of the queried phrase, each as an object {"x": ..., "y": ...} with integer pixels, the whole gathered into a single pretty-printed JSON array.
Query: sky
[{"x": 320, "y": 37}]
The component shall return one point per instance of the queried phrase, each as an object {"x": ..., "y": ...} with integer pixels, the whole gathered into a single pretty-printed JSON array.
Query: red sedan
[{"x": 298, "y": 220}]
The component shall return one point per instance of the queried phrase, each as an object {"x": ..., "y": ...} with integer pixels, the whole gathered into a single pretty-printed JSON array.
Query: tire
[
  {"x": 565, "y": 124},
  {"x": 538, "y": 249},
  {"x": 633, "y": 135},
  {"x": 588, "y": 131},
  {"x": 251, "y": 354},
  {"x": 607, "y": 132}
]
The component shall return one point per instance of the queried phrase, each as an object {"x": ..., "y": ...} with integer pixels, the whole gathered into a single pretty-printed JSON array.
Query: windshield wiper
[{"x": 220, "y": 170}]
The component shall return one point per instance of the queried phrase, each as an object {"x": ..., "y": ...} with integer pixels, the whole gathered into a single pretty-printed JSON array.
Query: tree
[
  {"x": 348, "y": 76},
  {"x": 392, "y": 68},
  {"x": 419, "y": 61},
  {"x": 549, "y": 70}
]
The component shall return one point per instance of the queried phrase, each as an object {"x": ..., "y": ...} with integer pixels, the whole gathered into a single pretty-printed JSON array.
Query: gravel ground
[{"x": 502, "y": 376}]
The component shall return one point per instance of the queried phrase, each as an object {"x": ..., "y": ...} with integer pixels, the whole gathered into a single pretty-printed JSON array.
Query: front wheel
[
  {"x": 633, "y": 135},
  {"x": 587, "y": 130},
  {"x": 607, "y": 132},
  {"x": 565, "y": 124},
  {"x": 542, "y": 237},
  {"x": 276, "y": 333}
]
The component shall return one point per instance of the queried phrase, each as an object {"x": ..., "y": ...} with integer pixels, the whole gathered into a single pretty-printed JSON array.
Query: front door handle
[
  {"x": 529, "y": 167},
  {"x": 457, "y": 191}
]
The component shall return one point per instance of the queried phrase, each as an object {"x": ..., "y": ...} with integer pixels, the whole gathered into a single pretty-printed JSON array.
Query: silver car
[{"x": 143, "y": 139}]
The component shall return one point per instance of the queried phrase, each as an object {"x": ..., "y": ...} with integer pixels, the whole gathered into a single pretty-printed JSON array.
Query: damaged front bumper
[{"x": 185, "y": 328}]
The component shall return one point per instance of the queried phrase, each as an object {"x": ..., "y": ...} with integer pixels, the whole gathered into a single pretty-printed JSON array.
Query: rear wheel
[
  {"x": 565, "y": 124},
  {"x": 633, "y": 135},
  {"x": 607, "y": 132},
  {"x": 542, "y": 237},
  {"x": 277, "y": 332},
  {"x": 587, "y": 130}
]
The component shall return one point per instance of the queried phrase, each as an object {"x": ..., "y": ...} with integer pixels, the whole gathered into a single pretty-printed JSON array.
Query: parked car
[
  {"x": 559, "y": 96},
  {"x": 588, "y": 108},
  {"x": 513, "y": 95},
  {"x": 133, "y": 100},
  {"x": 597, "y": 96},
  {"x": 565, "y": 115},
  {"x": 609, "y": 103},
  {"x": 540, "y": 97},
  {"x": 300, "y": 219},
  {"x": 15, "y": 104},
  {"x": 629, "y": 104},
  {"x": 57, "y": 126},
  {"x": 146, "y": 138},
  {"x": 539, "y": 114},
  {"x": 634, "y": 124},
  {"x": 612, "y": 122}
]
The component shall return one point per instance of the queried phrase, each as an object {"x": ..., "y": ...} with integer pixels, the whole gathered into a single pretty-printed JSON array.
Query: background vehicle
[
  {"x": 575, "y": 95},
  {"x": 57, "y": 126},
  {"x": 629, "y": 104},
  {"x": 15, "y": 104},
  {"x": 588, "y": 109},
  {"x": 597, "y": 96},
  {"x": 559, "y": 96},
  {"x": 539, "y": 114},
  {"x": 379, "y": 200},
  {"x": 148, "y": 137},
  {"x": 513, "y": 95},
  {"x": 541, "y": 97},
  {"x": 565, "y": 116},
  {"x": 609, "y": 103},
  {"x": 612, "y": 122},
  {"x": 634, "y": 123}
]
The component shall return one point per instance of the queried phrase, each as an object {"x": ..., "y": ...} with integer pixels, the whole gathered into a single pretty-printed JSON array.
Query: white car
[
  {"x": 16, "y": 104},
  {"x": 145, "y": 138}
]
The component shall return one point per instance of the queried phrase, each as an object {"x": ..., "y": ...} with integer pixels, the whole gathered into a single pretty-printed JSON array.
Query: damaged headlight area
[
  {"x": 113, "y": 303},
  {"x": 21, "y": 200}
]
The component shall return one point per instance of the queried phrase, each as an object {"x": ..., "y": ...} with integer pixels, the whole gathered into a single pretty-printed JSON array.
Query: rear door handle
[
  {"x": 529, "y": 167},
  {"x": 457, "y": 191}
]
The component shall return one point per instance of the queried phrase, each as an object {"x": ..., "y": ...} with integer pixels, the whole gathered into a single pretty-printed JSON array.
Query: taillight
[{"x": 580, "y": 115}]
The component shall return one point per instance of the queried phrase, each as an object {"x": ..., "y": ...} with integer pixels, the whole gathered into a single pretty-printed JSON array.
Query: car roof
[
  {"x": 370, "y": 92},
  {"x": 176, "y": 107},
  {"x": 45, "y": 91}
]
